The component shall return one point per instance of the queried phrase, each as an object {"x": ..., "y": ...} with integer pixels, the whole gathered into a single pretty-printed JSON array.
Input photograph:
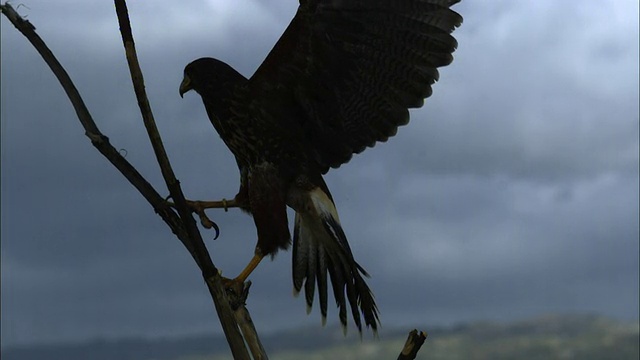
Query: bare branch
[
  {"x": 202, "y": 257},
  {"x": 100, "y": 141},
  {"x": 181, "y": 224},
  {"x": 237, "y": 298}
]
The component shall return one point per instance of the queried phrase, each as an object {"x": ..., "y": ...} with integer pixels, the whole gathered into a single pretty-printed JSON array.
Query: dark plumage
[{"x": 340, "y": 79}]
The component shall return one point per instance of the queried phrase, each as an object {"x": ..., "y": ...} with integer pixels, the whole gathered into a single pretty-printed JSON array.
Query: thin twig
[
  {"x": 202, "y": 256},
  {"x": 100, "y": 141},
  {"x": 209, "y": 271}
]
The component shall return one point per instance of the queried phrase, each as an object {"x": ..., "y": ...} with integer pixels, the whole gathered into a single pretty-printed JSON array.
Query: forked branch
[{"x": 182, "y": 223}]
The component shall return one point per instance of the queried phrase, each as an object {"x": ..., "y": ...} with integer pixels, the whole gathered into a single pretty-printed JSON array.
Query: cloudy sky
[{"x": 512, "y": 193}]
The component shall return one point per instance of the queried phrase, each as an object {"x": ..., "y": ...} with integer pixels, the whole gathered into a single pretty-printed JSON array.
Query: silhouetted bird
[{"x": 340, "y": 78}]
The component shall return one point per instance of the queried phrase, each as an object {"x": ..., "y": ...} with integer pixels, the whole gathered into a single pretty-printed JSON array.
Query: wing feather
[{"x": 345, "y": 72}]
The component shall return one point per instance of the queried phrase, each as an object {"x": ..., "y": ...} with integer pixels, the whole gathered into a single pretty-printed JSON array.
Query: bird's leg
[
  {"x": 238, "y": 201},
  {"x": 198, "y": 207},
  {"x": 244, "y": 274}
]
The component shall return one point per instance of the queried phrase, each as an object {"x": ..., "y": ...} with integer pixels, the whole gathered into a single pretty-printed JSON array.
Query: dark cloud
[{"x": 514, "y": 192}]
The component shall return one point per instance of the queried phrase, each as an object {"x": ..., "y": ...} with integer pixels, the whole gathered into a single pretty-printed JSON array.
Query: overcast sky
[{"x": 512, "y": 193}]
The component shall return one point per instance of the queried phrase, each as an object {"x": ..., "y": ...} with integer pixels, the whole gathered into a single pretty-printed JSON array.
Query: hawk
[{"x": 341, "y": 78}]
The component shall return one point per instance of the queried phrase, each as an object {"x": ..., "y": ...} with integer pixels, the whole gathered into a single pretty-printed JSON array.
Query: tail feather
[
  {"x": 320, "y": 246},
  {"x": 300, "y": 254},
  {"x": 366, "y": 301},
  {"x": 354, "y": 302},
  {"x": 312, "y": 270},
  {"x": 338, "y": 284},
  {"x": 322, "y": 283}
]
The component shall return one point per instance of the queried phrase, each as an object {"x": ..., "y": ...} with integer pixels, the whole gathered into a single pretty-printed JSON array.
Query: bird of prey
[{"x": 341, "y": 78}]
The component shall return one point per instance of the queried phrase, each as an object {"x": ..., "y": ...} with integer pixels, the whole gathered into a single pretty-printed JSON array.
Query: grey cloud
[{"x": 512, "y": 193}]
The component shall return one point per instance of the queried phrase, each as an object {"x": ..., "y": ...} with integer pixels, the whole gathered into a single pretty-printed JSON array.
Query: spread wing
[{"x": 345, "y": 72}]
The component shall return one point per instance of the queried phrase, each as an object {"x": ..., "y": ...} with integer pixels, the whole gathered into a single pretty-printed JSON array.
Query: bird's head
[{"x": 208, "y": 76}]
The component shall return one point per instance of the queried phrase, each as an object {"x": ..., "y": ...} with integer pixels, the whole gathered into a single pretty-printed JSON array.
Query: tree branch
[
  {"x": 98, "y": 140},
  {"x": 209, "y": 271},
  {"x": 181, "y": 224},
  {"x": 238, "y": 298}
]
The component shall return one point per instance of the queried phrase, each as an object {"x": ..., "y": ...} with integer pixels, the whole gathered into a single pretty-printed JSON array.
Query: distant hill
[{"x": 584, "y": 337}]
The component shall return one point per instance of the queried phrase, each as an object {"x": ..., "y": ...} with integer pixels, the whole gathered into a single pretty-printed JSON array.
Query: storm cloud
[{"x": 512, "y": 193}]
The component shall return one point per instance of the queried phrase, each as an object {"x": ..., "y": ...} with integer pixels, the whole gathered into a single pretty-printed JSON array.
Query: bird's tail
[{"x": 320, "y": 247}]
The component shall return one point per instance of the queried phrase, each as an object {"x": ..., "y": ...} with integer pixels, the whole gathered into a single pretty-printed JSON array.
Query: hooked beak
[{"x": 185, "y": 85}]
